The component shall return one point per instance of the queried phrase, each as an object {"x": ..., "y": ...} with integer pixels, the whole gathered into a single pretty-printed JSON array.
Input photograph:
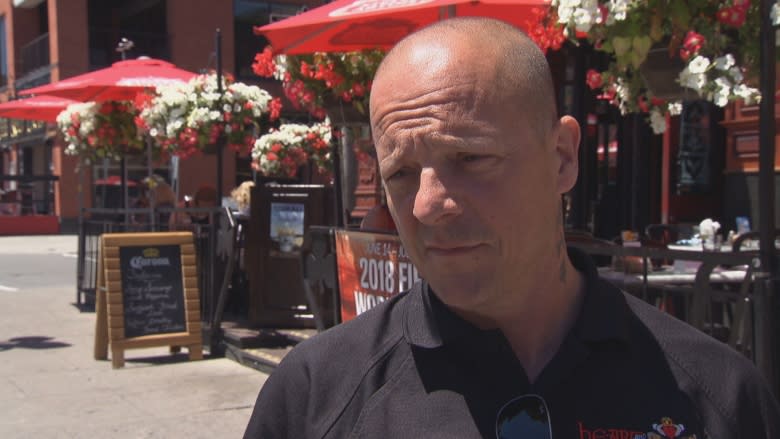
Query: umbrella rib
[{"x": 312, "y": 35}]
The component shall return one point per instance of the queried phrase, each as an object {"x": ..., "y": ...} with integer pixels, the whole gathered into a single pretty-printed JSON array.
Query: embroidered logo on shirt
[{"x": 666, "y": 429}]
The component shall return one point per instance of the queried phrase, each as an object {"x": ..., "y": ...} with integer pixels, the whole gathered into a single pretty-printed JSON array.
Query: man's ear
[{"x": 567, "y": 147}]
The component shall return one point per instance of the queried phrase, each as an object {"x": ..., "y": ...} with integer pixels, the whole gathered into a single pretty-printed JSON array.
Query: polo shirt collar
[{"x": 604, "y": 315}]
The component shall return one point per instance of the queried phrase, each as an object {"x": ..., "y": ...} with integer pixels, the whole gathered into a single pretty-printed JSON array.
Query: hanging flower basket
[
  {"x": 710, "y": 48},
  {"x": 187, "y": 119},
  {"x": 282, "y": 151},
  {"x": 318, "y": 82},
  {"x": 100, "y": 130}
]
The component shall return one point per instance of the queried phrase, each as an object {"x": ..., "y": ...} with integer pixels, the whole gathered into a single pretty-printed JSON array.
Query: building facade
[{"x": 44, "y": 41}]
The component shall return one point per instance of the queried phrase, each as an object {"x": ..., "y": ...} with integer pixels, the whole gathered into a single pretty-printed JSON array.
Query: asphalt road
[{"x": 52, "y": 387}]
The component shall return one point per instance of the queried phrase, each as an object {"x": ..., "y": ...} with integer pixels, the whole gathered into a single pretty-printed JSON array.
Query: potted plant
[
  {"x": 708, "y": 48},
  {"x": 320, "y": 82},
  {"x": 100, "y": 130},
  {"x": 282, "y": 151},
  {"x": 191, "y": 118}
]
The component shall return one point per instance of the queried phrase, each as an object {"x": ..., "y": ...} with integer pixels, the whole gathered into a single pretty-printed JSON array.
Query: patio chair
[
  {"x": 577, "y": 238},
  {"x": 750, "y": 239}
]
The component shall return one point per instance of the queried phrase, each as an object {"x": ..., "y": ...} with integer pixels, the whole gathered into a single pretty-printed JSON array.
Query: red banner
[{"x": 372, "y": 267}]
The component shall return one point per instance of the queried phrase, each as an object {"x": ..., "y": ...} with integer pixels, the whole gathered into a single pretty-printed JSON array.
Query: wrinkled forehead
[{"x": 434, "y": 77}]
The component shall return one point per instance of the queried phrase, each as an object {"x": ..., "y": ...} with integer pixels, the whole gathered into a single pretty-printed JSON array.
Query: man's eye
[
  {"x": 472, "y": 158},
  {"x": 403, "y": 172}
]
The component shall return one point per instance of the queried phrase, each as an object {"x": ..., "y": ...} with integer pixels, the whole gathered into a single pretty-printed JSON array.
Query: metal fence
[{"x": 214, "y": 237}]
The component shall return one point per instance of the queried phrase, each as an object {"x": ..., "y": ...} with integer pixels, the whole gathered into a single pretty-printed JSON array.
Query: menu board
[
  {"x": 152, "y": 292},
  {"x": 147, "y": 294}
]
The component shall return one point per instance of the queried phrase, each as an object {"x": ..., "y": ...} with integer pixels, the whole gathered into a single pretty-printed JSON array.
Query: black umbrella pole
[
  {"x": 766, "y": 321},
  {"x": 337, "y": 196},
  {"x": 218, "y": 50}
]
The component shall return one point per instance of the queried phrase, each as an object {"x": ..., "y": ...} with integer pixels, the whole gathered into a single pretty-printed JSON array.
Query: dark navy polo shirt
[{"x": 410, "y": 368}]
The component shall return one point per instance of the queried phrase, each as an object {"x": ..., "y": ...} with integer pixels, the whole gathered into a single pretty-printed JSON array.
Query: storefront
[{"x": 27, "y": 181}]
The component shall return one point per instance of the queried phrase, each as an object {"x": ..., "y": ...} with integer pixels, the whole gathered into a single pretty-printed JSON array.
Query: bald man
[{"x": 510, "y": 335}]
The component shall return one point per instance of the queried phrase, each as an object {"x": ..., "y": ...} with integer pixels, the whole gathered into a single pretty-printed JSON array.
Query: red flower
[
  {"x": 275, "y": 108},
  {"x": 608, "y": 94},
  {"x": 319, "y": 113},
  {"x": 305, "y": 70},
  {"x": 264, "y": 63},
  {"x": 691, "y": 45},
  {"x": 733, "y": 16},
  {"x": 358, "y": 89},
  {"x": 271, "y": 156},
  {"x": 593, "y": 79}
]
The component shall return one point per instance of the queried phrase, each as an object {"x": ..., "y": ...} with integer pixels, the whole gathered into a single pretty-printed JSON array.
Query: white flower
[
  {"x": 708, "y": 228},
  {"x": 720, "y": 96},
  {"x": 675, "y": 108},
  {"x": 618, "y": 9},
  {"x": 724, "y": 62},
  {"x": 657, "y": 121},
  {"x": 153, "y": 132},
  {"x": 748, "y": 94},
  {"x": 736, "y": 74},
  {"x": 700, "y": 64},
  {"x": 692, "y": 80},
  {"x": 775, "y": 14},
  {"x": 583, "y": 20}
]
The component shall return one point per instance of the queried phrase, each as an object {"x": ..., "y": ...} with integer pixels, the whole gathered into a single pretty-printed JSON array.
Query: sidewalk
[{"x": 51, "y": 387}]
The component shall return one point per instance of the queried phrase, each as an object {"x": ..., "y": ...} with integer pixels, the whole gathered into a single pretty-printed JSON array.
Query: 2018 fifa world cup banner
[{"x": 372, "y": 267}]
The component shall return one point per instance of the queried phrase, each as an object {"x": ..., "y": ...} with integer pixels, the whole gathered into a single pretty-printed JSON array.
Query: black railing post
[{"x": 766, "y": 276}]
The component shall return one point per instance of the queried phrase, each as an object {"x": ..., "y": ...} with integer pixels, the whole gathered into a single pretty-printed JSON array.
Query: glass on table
[{"x": 712, "y": 243}]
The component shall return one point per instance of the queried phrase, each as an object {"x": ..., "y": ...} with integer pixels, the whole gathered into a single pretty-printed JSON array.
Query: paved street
[{"x": 51, "y": 387}]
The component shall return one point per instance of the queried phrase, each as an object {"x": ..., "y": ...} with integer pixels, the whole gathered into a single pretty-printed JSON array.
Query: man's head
[{"x": 473, "y": 158}]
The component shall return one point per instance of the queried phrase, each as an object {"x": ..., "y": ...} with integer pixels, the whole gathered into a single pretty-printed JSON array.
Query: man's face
[{"x": 470, "y": 183}]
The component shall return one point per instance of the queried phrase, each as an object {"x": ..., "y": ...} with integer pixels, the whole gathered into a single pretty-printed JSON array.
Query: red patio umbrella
[
  {"x": 45, "y": 108},
  {"x": 347, "y": 25},
  {"x": 122, "y": 81}
]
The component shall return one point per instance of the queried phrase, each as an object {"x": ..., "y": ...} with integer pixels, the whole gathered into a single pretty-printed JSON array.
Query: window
[{"x": 250, "y": 13}]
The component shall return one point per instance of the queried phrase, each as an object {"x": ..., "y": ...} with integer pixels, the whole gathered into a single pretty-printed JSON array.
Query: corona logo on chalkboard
[{"x": 151, "y": 257}]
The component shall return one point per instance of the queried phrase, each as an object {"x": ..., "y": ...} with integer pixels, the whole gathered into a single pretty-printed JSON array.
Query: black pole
[
  {"x": 335, "y": 145},
  {"x": 220, "y": 139},
  {"x": 123, "y": 180},
  {"x": 767, "y": 274}
]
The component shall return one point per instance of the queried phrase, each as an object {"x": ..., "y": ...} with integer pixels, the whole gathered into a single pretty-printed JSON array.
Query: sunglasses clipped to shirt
[{"x": 524, "y": 417}]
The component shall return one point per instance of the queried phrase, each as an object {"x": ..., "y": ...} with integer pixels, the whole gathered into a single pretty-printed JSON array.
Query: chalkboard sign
[
  {"x": 152, "y": 293},
  {"x": 147, "y": 294}
]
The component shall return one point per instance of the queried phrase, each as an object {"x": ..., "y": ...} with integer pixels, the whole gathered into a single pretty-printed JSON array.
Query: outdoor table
[
  {"x": 668, "y": 275},
  {"x": 696, "y": 287}
]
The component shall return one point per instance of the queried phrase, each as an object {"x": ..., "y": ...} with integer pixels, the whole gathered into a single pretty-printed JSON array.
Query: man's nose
[{"x": 434, "y": 202}]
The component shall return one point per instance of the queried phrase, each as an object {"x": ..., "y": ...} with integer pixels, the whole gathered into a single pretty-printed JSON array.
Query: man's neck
[
  {"x": 536, "y": 324},
  {"x": 536, "y": 328}
]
